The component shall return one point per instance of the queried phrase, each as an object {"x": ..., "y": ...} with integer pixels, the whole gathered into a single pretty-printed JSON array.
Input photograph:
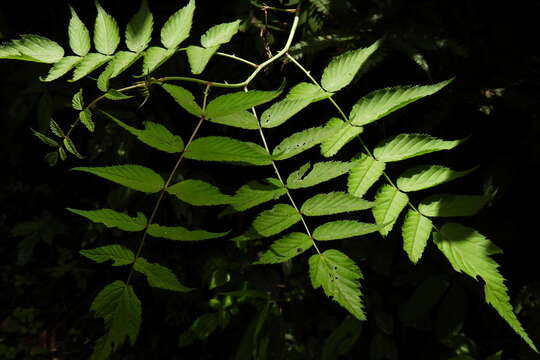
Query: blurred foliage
[{"x": 242, "y": 311}]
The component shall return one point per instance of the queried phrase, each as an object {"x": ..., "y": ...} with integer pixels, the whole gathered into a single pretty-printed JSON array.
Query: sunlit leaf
[
  {"x": 136, "y": 177},
  {"x": 286, "y": 248}
]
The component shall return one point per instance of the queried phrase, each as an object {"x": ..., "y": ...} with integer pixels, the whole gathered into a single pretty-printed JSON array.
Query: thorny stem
[
  {"x": 250, "y": 78},
  {"x": 263, "y": 138},
  {"x": 338, "y": 108},
  {"x": 167, "y": 183}
]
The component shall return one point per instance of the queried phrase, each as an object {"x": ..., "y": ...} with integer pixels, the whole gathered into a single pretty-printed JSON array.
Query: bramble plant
[{"x": 334, "y": 271}]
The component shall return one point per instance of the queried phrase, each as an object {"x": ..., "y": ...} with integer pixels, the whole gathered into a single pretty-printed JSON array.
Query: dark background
[{"x": 424, "y": 311}]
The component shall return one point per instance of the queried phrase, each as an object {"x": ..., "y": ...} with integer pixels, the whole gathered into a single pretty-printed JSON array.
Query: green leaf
[
  {"x": 282, "y": 111},
  {"x": 38, "y": 48},
  {"x": 389, "y": 202},
  {"x": 343, "y": 68},
  {"x": 341, "y": 134},
  {"x": 62, "y": 154},
  {"x": 343, "y": 229},
  {"x": 155, "y": 56},
  {"x": 88, "y": 64},
  {"x": 271, "y": 222},
  {"x": 255, "y": 193},
  {"x": 61, "y": 68},
  {"x": 238, "y": 101},
  {"x": 452, "y": 205},
  {"x": 118, "y": 64},
  {"x": 51, "y": 158},
  {"x": 286, "y": 248},
  {"x": 333, "y": 203},
  {"x": 342, "y": 339},
  {"x": 139, "y": 29},
  {"x": 118, "y": 305},
  {"x": 469, "y": 252},
  {"x": 339, "y": 277},
  {"x": 159, "y": 276},
  {"x": 79, "y": 37},
  {"x": 184, "y": 98},
  {"x": 56, "y": 129},
  {"x": 116, "y": 95},
  {"x": 220, "y": 148},
  {"x": 106, "y": 32},
  {"x": 77, "y": 102},
  {"x": 45, "y": 139},
  {"x": 199, "y": 57},
  {"x": 135, "y": 177},
  {"x": 321, "y": 172},
  {"x": 300, "y": 142},
  {"x": 220, "y": 34},
  {"x": 114, "y": 219},
  {"x": 118, "y": 254},
  {"x": 86, "y": 118},
  {"x": 364, "y": 173},
  {"x": 178, "y": 26},
  {"x": 180, "y": 233},
  {"x": 307, "y": 91},
  {"x": 70, "y": 147},
  {"x": 243, "y": 119},
  {"x": 154, "y": 135},
  {"x": 380, "y": 103},
  {"x": 416, "y": 231},
  {"x": 199, "y": 193},
  {"x": 427, "y": 176},
  {"x": 405, "y": 146}
]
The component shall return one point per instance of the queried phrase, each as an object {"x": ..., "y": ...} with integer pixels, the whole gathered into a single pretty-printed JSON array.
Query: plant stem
[
  {"x": 278, "y": 174},
  {"x": 250, "y": 78},
  {"x": 347, "y": 120},
  {"x": 167, "y": 183}
]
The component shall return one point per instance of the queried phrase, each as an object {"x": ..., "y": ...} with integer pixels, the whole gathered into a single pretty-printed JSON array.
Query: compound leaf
[
  {"x": 333, "y": 203},
  {"x": 198, "y": 57},
  {"x": 184, "y": 98},
  {"x": 380, "y": 103},
  {"x": 79, "y": 37},
  {"x": 38, "y": 48},
  {"x": 299, "y": 142},
  {"x": 88, "y": 64},
  {"x": 199, "y": 193},
  {"x": 154, "y": 56},
  {"x": 136, "y": 177},
  {"x": 121, "y": 310},
  {"x": 220, "y": 148},
  {"x": 61, "y": 68},
  {"x": 343, "y": 229},
  {"x": 470, "y": 252},
  {"x": 139, "y": 29},
  {"x": 180, "y": 233},
  {"x": 339, "y": 277},
  {"x": 427, "y": 176},
  {"x": 159, "y": 276},
  {"x": 364, "y": 173},
  {"x": 178, "y": 26},
  {"x": 118, "y": 254},
  {"x": 220, "y": 34},
  {"x": 106, "y": 32},
  {"x": 114, "y": 219},
  {"x": 271, "y": 222},
  {"x": 389, "y": 202},
  {"x": 238, "y": 101},
  {"x": 452, "y": 205},
  {"x": 341, "y": 134},
  {"x": 343, "y": 68},
  {"x": 154, "y": 135},
  {"x": 321, "y": 172},
  {"x": 286, "y": 248},
  {"x": 416, "y": 230},
  {"x": 405, "y": 146}
]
